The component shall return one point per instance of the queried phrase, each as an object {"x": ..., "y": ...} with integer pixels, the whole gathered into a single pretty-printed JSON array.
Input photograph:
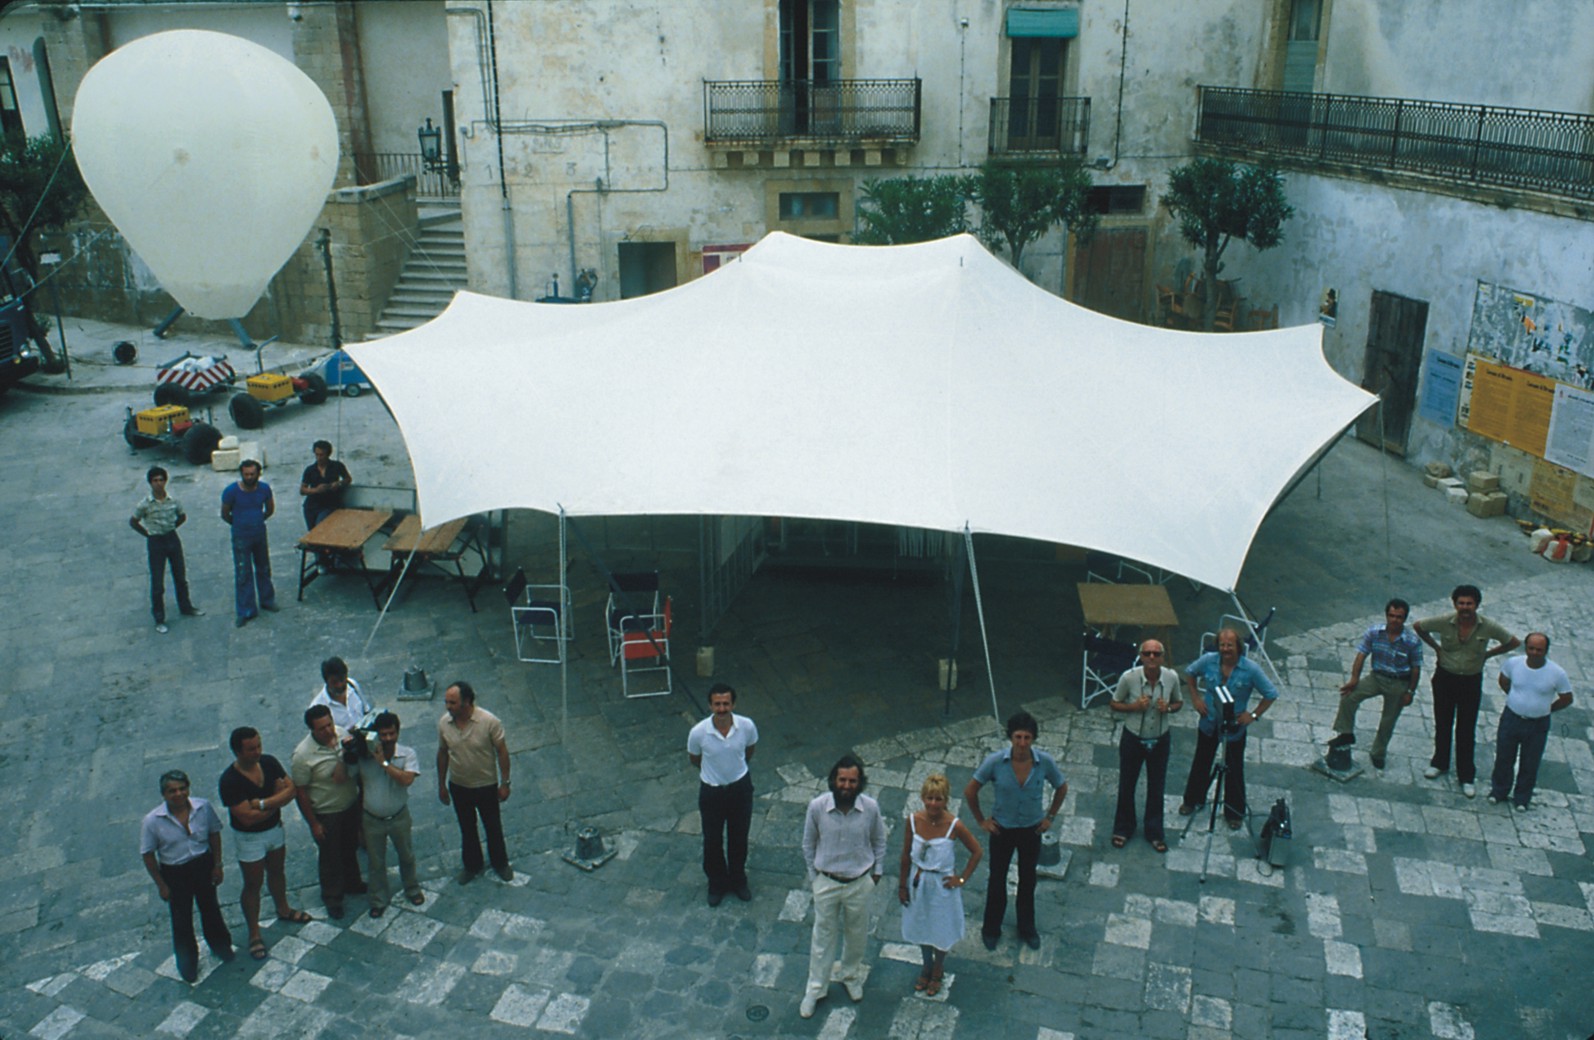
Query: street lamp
[{"x": 431, "y": 138}]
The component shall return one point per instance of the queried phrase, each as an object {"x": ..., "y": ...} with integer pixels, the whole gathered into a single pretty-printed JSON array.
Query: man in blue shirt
[
  {"x": 246, "y": 505},
  {"x": 1020, "y": 773},
  {"x": 1396, "y": 655},
  {"x": 1241, "y": 677}
]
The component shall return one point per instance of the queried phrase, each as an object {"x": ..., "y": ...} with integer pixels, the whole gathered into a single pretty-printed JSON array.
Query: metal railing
[
  {"x": 1040, "y": 127},
  {"x": 1549, "y": 152},
  {"x": 840, "y": 111},
  {"x": 429, "y": 182}
]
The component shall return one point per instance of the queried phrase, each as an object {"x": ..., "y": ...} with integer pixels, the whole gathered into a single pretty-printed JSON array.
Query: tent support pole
[
  {"x": 391, "y": 594},
  {"x": 1389, "y": 541},
  {"x": 979, "y": 610},
  {"x": 1261, "y": 648},
  {"x": 564, "y": 652},
  {"x": 954, "y": 624}
]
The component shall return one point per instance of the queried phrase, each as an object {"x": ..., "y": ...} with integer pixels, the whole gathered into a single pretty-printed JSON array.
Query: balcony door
[
  {"x": 810, "y": 66},
  {"x": 1035, "y": 87}
]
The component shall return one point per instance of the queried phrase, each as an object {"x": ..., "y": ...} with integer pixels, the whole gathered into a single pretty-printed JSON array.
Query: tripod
[{"x": 1215, "y": 787}]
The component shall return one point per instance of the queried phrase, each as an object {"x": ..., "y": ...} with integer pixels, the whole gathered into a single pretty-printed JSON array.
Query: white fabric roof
[{"x": 926, "y": 385}]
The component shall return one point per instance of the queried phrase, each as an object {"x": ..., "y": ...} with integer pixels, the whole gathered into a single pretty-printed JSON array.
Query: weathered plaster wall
[
  {"x": 1527, "y": 54},
  {"x": 19, "y": 28},
  {"x": 1358, "y": 238},
  {"x": 406, "y": 70}
]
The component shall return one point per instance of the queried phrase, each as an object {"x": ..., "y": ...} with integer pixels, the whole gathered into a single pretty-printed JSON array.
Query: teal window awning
[{"x": 1053, "y": 22}]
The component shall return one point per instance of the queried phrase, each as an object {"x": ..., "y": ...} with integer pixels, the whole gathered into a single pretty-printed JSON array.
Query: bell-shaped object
[
  {"x": 589, "y": 853},
  {"x": 417, "y": 687}
]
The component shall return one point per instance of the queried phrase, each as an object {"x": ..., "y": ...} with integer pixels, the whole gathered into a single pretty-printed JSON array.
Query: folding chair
[
  {"x": 645, "y": 650},
  {"x": 633, "y": 602},
  {"x": 1099, "y": 565},
  {"x": 539, "y": 620},
  {"x": 1102, "y": 662}
]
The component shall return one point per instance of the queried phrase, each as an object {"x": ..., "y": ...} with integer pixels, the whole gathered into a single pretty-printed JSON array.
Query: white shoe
[
  {"x": 854, "y": 991},
  {"x": 1431, "y": 773},
  {"x": 806, "y": 1010},
  {"x": 1469, "y": 790}
]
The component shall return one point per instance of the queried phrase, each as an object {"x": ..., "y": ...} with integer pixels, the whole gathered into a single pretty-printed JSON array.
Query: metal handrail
[
  {"x": 430, "y": 182},
  {"x": 845, "y": 110},
  {"x": 1550, "y": 152}
]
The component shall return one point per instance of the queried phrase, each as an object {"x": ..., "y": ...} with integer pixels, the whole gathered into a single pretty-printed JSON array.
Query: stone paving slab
[{"x": 1404, "y": 909}]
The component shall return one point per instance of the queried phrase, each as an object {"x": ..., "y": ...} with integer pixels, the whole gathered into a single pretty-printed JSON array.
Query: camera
[
  {"x": 361, "y": 736},
  {"x": 1225, "y": 700}
]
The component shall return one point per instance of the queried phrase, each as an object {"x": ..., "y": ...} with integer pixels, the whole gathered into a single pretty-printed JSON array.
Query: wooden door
[
  {"x": 1110, "y": 273},
  {"x": 1395, "y": 331}
]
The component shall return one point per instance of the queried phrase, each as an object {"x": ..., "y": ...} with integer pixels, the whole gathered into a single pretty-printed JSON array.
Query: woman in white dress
[{"x": 931, "y": 890}]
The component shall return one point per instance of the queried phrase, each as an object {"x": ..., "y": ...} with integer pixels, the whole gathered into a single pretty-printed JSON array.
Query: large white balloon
[{"x": 212, "y": 155}]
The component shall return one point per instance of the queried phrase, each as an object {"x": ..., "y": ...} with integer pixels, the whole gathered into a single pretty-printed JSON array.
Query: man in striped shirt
[
  {"x": 157, "y": 518},
  {"x": 1396, "y": 665}
]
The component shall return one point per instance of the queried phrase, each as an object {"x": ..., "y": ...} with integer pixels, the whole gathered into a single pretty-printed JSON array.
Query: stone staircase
[{"x": 434, "y": 271}]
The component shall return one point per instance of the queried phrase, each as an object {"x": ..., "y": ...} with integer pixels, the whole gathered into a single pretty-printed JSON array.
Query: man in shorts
[{"x": 254, "y": 789}]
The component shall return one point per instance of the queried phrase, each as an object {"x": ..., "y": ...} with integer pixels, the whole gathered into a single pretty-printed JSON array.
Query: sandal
[
  {"x": 294, "y": 917},
  {"x": 1234, "y": 825},
  {"x": 417, "y": 900},
  {"x": 1119, "y": 841},
  {"x": 1187, "y": 808},
  {"x": 1160, "y": 846},
  {"x": 922, "y": 982},
  {"x": 935, "y": 983},
  {"x": 257, "y": 949}
]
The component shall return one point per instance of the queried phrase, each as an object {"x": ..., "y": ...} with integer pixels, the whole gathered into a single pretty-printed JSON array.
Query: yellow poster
[
  {"x": 1510, "y": 405},
  {"x": 1553, "y": 490}
]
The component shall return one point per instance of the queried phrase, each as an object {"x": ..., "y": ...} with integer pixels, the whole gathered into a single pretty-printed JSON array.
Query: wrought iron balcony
[
  {"x": 837, "y": 112},
  {"x": 1549, "y": 152},
  {"x": 1040, "y": 128}
]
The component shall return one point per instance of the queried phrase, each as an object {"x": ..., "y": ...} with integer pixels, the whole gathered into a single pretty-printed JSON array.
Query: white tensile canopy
[{"x": 928, "y": 385}]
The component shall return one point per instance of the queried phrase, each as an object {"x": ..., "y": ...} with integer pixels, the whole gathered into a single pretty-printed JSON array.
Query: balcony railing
[
  {"x": 1549, "y": 152},
  {"x": 846, "y": 111},
  {"x": 1039, "y": 127},
  {"x": 429, "y": 182}
]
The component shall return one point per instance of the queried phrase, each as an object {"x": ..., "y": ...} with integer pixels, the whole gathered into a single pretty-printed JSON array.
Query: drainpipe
[
  {"x": 505, "y": 206},
  {"x": 602, "y": 187}
]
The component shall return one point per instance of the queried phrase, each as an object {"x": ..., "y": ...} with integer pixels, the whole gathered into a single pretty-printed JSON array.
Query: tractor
[{"x": 170, "y": 425}]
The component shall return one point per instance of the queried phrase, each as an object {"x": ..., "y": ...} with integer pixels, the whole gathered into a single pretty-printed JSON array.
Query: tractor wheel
[
  {"x": 247, "y": 412},
  {"x": 351, "y": 389},
  {"x": 200, "y": 442},
  {"x": 171, "y": 393},
  {"x": 134, "y": 439},
  {"x": 315, "y": 388}
]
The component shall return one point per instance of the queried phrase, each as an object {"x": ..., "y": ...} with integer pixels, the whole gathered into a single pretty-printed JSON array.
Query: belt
[
  {"x": 746, "y": 778},
  {"x": 1392, "y": 675},
  {"x": 1525, "y": 718},
  {"x": 844, "y": 880},
  {"x": 385, "y": 819}
]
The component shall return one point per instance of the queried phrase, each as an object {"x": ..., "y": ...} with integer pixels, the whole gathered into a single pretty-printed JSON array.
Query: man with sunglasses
[{"x": 1146, "y": 695}]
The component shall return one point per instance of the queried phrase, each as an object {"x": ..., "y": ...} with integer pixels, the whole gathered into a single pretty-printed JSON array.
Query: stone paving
[{"x": 1406, "y": 910}]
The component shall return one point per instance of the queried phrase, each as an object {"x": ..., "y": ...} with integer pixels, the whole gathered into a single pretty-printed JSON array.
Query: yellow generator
[
  {"x": 170, "y": 425},
  {"x": 270, "y": 387},
  {"x": 274, "y": 389}
]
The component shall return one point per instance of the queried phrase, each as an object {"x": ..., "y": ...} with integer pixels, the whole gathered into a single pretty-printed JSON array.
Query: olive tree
[
  {"x": 899, "y": 210},
  {"x": 1218, "y": 201},
  {"x": 1021, "y": 202}
]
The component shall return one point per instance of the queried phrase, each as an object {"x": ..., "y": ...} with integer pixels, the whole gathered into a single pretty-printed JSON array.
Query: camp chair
[
  {"x": 1255, "y": 632},
  {"x": 646, "y": 650},
  {"x": 1102, "y": 662},
  {"x": 1113, "y": 570},
  {"x": 633, "y": 603},
  {"x": 539, "y": 618}
]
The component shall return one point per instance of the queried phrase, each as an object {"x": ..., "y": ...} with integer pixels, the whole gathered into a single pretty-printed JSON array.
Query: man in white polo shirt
[
  {"x": 1535, "y": 686},
  {"x": 720, "y": 748}
]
